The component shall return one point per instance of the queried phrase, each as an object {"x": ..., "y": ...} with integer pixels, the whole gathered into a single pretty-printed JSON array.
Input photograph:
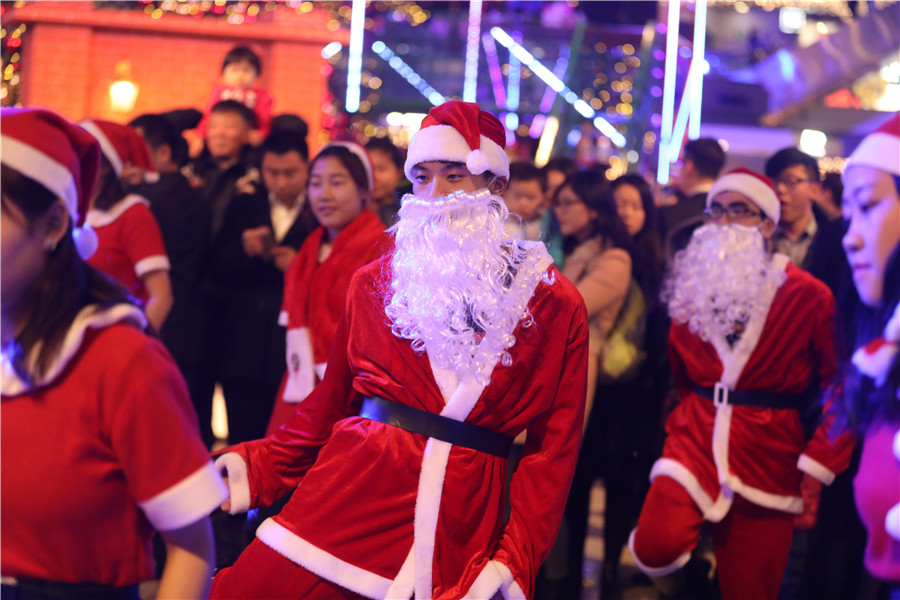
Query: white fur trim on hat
[
  {"x": 443, "y": 142},
  {"x": 109, "y": 151},
  {"x": 754, "y": 188},
  {"x": 32, "y": 163},
  {"x": 880, "y": 150}
]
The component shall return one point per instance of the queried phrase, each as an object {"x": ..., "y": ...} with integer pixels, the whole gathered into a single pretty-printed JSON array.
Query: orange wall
[{"x": 73, "y": 49}]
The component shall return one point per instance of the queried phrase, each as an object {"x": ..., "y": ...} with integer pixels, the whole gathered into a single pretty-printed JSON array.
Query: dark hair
[
  {"x": 594, "y": 189},
  {"x": 66, "y": 285},
  {"x": 282, "y": 142},
  {"x": 526, "y": 171},
  {"x": 110, "y": 187},
  {"x": 706, "y": 155},
  {"x": 240, "y": 54},
  {"x": 648, "y": 257},
  {"x": 789, "y": 157},
  {"x": 291, "y": 123},
  {"x": 160, "y": 131},
  {"x": 566, "y": 166},
  {"x": 832, "y": 181},
  {"x": 350, "y": 161},
  {"x": 386, "y": 146},
  {"x": 235, "y": 107}
]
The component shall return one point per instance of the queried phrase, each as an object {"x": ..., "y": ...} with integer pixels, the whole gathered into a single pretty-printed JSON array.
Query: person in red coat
[
  {"x": 448, "y": 348},
  {"x": 750, "y": 333},
  {"x": 340, "y": 185},
  {"x": 99, "y": 445},
  {"x": 869, "y": 400}
]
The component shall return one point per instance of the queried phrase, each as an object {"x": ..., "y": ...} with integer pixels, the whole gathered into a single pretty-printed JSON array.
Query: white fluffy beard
[
  {"x": 722, "y": 280},
  {"x": 451, "y": 281}
]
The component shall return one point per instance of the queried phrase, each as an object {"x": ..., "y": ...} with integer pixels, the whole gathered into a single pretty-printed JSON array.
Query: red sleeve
[
  {"x": 548, "y": 463},
  {"x": 276, "y": 465},
  {"x": 143, "y": 241},
  {"x": 153, "y": 431},
  {"x": 825, "y": 456},
  {"x": 265, "y": 102}
]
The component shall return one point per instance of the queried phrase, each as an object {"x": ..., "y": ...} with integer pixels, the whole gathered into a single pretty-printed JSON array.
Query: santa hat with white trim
[
  {"x": 122, "y": 145},
  {"x": 755, "y": 186},
  {"x": 58, "y": 154},
  {"x": 460, "y": 132},
  {"x": 880, "y": 149}
]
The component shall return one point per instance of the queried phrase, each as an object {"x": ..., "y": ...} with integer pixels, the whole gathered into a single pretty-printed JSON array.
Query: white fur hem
[
  {"x": 187, "y": 501},
  {"x": 816, "y": 469},
  {"x": 233, "y": 467},
  {"x": 681, "y": 474},
  {"x": 321, "y": 563},
  {"x": 158, "y": 262},
  {"x": 495, "y": 577},
  {"x": 657, "y": 571}
]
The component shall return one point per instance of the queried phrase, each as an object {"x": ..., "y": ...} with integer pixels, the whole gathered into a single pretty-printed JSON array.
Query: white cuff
[
  {"x": 233, "y": 467},
  {"x": 158, "y": 262},
  {"x": 656, "y": 571},
  {"x": 495, "y": 577},
  {"x": 186, "y": 502},
  {"x": 815, "y": 469}
]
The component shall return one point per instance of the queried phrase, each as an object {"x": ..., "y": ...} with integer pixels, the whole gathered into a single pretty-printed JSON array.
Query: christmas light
[
  {"x": 699, "y": 60},
  {"x": 405, "y": 71},
  {"x": 354, "y": 63},
  {"x": 470, "y": 85},
  {"x": 668, "y": 106},
  {"x": 490, "y": 53}
]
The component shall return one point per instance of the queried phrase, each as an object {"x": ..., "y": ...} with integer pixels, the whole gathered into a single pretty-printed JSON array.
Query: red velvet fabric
[
  {"x": 358, "y": 479},
  {"x": 470, "y": 121}
]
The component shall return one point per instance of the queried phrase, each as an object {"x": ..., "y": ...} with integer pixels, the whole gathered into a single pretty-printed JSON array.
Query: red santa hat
[
  {"x": 460, "y": 132},
  {"x": 59, "y": 155},
  {"x": 122, "y": 145},
  {"x": 881, "y": 148},
  {"x": 758, "y": 188}
]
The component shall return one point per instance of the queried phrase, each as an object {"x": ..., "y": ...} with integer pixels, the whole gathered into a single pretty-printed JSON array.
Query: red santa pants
[
  {"x": 751, "y": 543},
  {"x": 261, "y": 572}
]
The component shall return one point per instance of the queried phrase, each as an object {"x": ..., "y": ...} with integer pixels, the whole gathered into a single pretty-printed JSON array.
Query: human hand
[
  {"x": 283, "y": 255},
  {"x": 258, "y": 241}
]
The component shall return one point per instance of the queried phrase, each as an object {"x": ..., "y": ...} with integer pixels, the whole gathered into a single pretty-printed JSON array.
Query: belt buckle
[{"x": 720, "y": 395}]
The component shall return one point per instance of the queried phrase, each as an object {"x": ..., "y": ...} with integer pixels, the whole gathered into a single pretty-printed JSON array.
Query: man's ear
[
  {"x": 767, "y": 228},
  {"x": 498, "y": 185}
]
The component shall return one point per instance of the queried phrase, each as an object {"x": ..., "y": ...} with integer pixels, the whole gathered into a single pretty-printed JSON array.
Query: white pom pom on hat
[{"x": 460, "y": 132}]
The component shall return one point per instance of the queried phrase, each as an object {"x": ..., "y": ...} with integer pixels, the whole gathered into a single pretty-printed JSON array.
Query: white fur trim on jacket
[
  {"x": 816, "y": 469},
  {"x": 90, "y": 317},
  {"x": 443, "y": 142},
  {"x": 188, "y": 501},
  {"x": 232, "y": 466},
  {"x": 495, "y": 577},
  {"x": 325, "y": 565},
  {"x": 158, "y": 262},
  {"x": 681, "y": 474},
  {"x": 301, "y": 375},
  {"x": 657, "y": 571},
  {"x": 100, "y": 218}
]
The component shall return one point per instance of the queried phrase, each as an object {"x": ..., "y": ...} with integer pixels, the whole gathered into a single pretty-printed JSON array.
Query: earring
[{"x": 50, "y": 245}]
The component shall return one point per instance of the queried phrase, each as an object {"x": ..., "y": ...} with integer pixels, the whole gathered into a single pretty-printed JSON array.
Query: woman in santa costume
[
  {"x": 99, "y": 443},
  {"x": 869, "y": 402},
  {"x": 448, "y": 348},
  {"x": 750, "y": 334},
  {"x": 341, "y": 182},
  {"x": 130, "y": 248}
]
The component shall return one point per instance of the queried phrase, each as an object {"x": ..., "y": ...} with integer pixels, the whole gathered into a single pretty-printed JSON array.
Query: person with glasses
[{"x": 751, "y": 333}]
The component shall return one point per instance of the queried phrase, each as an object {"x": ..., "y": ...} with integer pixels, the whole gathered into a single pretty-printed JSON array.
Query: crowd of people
[{"x": 427, "y": 361}]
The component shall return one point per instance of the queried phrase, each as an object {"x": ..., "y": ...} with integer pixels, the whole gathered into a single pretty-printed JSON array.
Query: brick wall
[{"x": 73, "y": 49}]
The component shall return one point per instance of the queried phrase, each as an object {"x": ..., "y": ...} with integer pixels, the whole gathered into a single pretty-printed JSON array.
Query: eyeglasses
[
  {"x": 735, "y": 212},
  {"x": 790, "y": 182}
]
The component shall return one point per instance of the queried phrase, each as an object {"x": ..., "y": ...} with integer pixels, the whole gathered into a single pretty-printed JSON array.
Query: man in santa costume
[
  {"x": 750, "y": 333},
  {"x": 447, "y": 350}
]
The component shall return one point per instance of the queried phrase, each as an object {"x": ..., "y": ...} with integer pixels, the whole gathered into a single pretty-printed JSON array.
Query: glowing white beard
[
  {"x": 451, "y": 275},
  {"x": 721, "y": 281}
]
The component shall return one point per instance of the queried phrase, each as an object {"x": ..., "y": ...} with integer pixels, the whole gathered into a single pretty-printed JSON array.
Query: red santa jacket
[
  {"x": 314, "y": 297},
  {"x": 384, "y": 512},
  {"x": 759, "y": 453}
]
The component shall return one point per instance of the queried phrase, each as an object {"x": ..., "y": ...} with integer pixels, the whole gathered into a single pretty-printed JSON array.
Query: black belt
[
  {"x": 435, "y": 426},
  {"x": 39, "y": 589},
  {"x": 721, "y": 395}
]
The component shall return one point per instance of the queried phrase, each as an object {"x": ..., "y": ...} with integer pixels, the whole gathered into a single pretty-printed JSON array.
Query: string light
[
  {"x": 473, "y": 33},
  {"x": 405, "y": 71}
]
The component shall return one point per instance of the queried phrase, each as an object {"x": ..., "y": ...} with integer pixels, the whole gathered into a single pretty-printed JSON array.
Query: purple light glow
[
  {"x": 659, "y": 54},
  {"x": 656, "y": 91},
  {"x": 656, "y": 119}
]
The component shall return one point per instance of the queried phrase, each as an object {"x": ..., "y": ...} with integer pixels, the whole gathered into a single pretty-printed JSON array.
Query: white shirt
[{"x": 282, "y": 216}]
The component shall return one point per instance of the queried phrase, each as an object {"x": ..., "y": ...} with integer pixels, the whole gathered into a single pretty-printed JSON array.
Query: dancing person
[
  {"x": 448, "y": 349},
  {"x": 99, "y": 443}
]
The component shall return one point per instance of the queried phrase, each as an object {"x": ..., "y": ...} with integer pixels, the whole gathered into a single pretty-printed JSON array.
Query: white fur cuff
[
  {"x": 815, "y": 469},
  {"x": 495, "y": 577},
  {"x": 186, "y": 502},
  {"x": 232, "y": 466}
]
